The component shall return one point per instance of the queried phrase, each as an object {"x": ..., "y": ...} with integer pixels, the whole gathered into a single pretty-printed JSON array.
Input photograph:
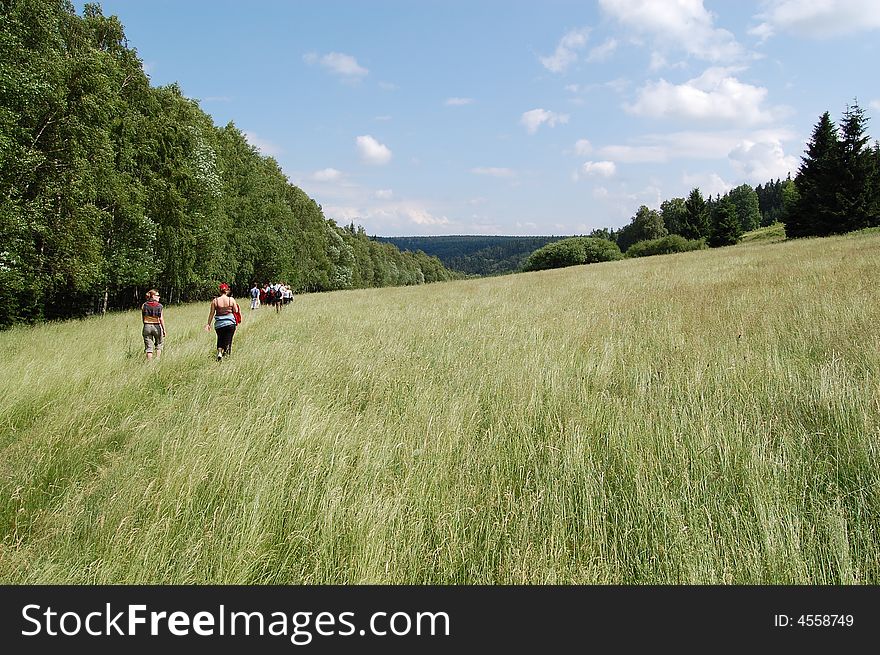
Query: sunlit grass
[{"x": 707, "y": 417}]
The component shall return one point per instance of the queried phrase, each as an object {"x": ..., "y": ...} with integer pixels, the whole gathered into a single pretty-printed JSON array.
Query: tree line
[
  {"x": 836, "y": 190},
  {"x": 109, "y": 186},
  {"x": 477, "y": 255}
]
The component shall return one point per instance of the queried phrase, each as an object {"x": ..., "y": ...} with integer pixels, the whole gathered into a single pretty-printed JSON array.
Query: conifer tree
[
  {"x": 855, "y": 179},
  {"x": 817, "y": 211},
  {"x": 726, "y": 224},
  {"x": 696, "y": 218}
]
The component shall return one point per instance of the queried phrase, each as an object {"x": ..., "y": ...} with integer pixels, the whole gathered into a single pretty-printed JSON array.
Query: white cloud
[
  {"x": 600, "y": 192},
  {"x": 602, "y": 52},
  {"x": 337, "y": 63},
  {"x": 494, "y": 172},
  {"x": 709, "y": 184},
  {"x": 716, "y": 95},
  {"x": 327, "y": 175},
  {"x": 874, "y": 104},
  {"x": 660, "y": 148},
  {"x": 818, "y": 19},
  {"x": 566, "y": 51},
  {"x": 759, "y": 162},
  {"x": 635, "y": 154},
  {"x": 603, "y": 168},
  {"x": 372, "y": 151},
  {"x": 678, "y": 24},
  {"x": 421, "y": 216},
  {"x": 458, "y": 102},
  {"x": 265, "y": 147},
  {"x": 384, "y": 194},
  {"x": 583, "y": 147},
  {"x": 536, "y": 117},
  {"x": 658, "y": 61},
  {"x": 384, "y": 217}
]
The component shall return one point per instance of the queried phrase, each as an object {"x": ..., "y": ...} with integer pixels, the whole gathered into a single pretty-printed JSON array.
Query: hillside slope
[{"x": 708, "y": 417}]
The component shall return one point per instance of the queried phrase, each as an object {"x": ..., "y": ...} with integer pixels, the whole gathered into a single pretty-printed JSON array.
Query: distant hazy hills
[{"x": 473, "y": 254}]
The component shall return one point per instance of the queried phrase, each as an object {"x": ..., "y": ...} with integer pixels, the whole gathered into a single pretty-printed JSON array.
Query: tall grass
[{"x": 705, "y": 417}]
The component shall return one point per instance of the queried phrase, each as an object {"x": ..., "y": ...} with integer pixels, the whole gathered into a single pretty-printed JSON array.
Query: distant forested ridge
[
  {"x": 109, "y": 186},
  {"x": 475, "y": 254}
]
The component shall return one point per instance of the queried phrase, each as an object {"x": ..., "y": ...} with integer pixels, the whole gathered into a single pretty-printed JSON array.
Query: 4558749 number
[{"x": 814, "y": 620}]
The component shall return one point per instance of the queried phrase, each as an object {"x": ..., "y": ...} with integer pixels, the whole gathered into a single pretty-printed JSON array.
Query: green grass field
[{"x": 708, "y": 417}]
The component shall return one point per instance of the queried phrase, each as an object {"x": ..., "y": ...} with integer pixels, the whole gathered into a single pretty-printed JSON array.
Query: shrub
[
  {"x": 572, "y": 252},
  {"x": 664, "y": 246}
]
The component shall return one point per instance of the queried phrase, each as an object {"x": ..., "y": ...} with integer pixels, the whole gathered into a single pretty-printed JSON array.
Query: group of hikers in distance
[
  {"x": 276, "y": 295},
  {"x": 224, "y": 315}
]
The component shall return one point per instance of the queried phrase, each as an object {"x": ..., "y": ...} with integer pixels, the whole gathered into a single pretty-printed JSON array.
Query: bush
[
  {"x": 572, "y": 252},
  {"x": 664, "y": 246}
]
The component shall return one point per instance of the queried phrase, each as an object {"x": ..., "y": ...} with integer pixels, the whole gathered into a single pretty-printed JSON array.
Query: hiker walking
[
  {"x": 255, "y": 296},
  {"x": 223, "y": 314},
  {"x": 154, "y": 325}
]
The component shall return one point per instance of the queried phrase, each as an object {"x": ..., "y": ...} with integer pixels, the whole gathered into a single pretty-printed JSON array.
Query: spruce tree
[
  {"x": 726, "y": 224},
  {"x": 855, "y": 173},
  {"x": 817, "y": 212},
  {"x": 696, "y": 218},
  {"x": 875, "y": 186}
]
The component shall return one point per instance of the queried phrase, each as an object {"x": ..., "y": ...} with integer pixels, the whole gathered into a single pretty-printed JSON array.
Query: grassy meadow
[{"x": 707, "y": 417}]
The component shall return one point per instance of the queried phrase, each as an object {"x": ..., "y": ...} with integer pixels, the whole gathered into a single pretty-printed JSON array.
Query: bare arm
[
  {"x": 210, "y": 317},
  {"x": 162, "y": 322}
]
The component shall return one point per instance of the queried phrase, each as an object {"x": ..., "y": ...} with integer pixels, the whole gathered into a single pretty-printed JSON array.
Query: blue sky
[{"x": 514, "y": 117}]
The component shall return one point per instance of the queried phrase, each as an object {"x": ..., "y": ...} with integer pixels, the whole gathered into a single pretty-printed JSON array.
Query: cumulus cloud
[
  {"x": 536, "y": 117},
  {"x": 384, "y": 194},
  {"x": 714, "y": 95},
  {"x": 458, "y": 102},
  {"x": 758, "y": 155},
  {"x": 676, "y": 24},
  {"x": 709, "y": 184},
  {"x": 818, "y": 19},
  {"x": 264, "y": 146},
  {"x": 494, "y": 172},
  {"x": 566, "y": 52},
  {"x": 602, "y": 52},
  {"x": 602, "y": 168},
  {"x": 372, "y": 151},
  {"x": 327, "y": 175},
  {"x": 759, "y": 162},
  {"x": 337, "y": 63}
]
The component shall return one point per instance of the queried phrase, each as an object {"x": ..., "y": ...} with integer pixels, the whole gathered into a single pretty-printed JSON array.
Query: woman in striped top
[{"x": 154, "y": 325}]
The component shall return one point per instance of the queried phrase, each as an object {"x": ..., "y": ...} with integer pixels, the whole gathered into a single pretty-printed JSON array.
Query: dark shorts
[{"x": 224, "y": 338}]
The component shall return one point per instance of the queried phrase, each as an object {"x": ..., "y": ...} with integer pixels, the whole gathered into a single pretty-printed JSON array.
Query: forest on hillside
[
  {"x": 475, "y": 254},
  {"x": 110, "y": 186}
]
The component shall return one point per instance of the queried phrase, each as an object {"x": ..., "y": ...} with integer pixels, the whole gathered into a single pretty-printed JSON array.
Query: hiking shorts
[{"x": 152, "y": 337}]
